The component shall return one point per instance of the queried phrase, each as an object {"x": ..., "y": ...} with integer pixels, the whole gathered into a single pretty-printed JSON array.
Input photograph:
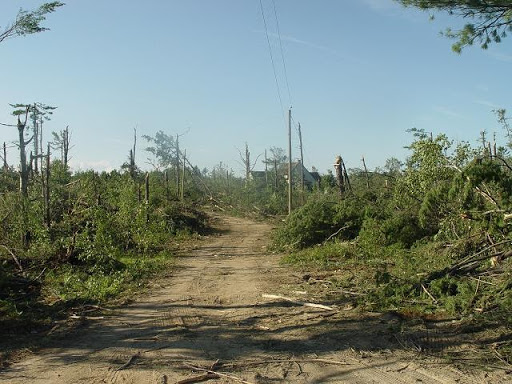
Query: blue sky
[{"x": 360, "y": 73}]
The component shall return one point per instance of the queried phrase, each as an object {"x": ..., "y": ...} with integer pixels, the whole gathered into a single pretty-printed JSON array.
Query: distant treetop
[{"x": 29, "y": 22}]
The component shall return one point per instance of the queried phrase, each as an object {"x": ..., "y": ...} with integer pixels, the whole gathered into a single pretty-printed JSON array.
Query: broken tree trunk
[{"x": 338, "y": 167}]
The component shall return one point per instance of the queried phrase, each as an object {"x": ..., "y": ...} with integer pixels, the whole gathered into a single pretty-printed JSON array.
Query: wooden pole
[
  {"x": 182, "y": 196},
  {"x": 290, "y": 179},
  {"x": 301, "y": 162},
  {"x": 178, "y": 193}
]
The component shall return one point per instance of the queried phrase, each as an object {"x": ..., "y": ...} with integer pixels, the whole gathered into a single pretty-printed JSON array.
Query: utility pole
[
  {"x": 182, "y": 196},
  {"x": 178, "y": 193},
  {"x": 290, "y": 181},
  {"x": 301, "y": 162},
  {"x": 266, "y": 169}
]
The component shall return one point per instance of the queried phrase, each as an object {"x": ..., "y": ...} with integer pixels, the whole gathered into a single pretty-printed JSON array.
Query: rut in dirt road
[{"x": 211, "y": 315}]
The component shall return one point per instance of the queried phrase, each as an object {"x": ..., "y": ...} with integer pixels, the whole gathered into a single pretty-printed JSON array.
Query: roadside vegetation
[
  {"x": 430, "y": 238},
  {"x": 94, "y": 237}
]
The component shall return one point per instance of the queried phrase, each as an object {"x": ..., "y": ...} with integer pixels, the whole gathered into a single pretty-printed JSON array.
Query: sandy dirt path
[{"x": 210, "y": 314}]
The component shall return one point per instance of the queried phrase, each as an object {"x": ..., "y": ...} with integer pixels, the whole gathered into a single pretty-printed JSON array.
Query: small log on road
[{"x": 305, "y": 304}]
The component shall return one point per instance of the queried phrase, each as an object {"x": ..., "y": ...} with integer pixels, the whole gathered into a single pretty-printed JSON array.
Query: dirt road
[{"x": 211, "y": 314}]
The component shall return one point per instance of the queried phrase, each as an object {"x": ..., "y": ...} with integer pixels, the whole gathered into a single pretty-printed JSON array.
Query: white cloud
[
  {"x": 501, "y": 56},
  {"x": 381, "y": 5},
  {"x": 447, "y": 112},
  {"x": 99, "y": 165},
  {"x": 486, "y": 103}
]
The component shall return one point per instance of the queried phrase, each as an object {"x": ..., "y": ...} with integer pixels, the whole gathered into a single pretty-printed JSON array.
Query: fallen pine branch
[{"x": 305, "y": 304}]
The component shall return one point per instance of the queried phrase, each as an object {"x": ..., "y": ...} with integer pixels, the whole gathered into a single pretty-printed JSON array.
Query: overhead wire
[
  {"x": 272, "y": 60},
  {"x": 282, "y": 53}
]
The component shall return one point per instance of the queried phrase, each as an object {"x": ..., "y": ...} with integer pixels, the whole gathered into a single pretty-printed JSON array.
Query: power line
[
  {"x": 272, "y": 60},
  {"x": 282, "y": 53}
]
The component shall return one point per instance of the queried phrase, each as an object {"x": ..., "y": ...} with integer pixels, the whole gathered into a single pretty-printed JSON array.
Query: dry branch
[
  {"x": 130, "y": 361},
  {"x": 200, "y": 378},
  {"x": 210, "y": 372},
  {"x": 14, "y": 257},
  {"x": 429, "y": 294},
  {"x": 336, "y": 233},
  {"x": 81, "y": 317},
  {"x": 305, "y": 304}
]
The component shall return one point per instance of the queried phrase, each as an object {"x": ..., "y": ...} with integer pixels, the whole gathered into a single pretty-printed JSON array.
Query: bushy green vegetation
[
  {"x": 95, "y": 236},
  {"x": 430, "y": 239}
]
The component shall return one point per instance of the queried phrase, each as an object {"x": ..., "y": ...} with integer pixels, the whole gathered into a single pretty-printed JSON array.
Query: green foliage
[
  {"x": 101, "y": 239},
  {"x": 163, "y": 148},
  {"x": 492, "y": 20},
  {"x": 318, "y": 219},
  {"x": 332, "y": 255},
  {"x": 428, "y": 236},
  {"x": 29, "y": 22}
]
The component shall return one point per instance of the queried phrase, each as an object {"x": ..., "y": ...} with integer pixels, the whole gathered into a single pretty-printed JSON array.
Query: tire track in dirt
[{"x": 212, "y": 310}]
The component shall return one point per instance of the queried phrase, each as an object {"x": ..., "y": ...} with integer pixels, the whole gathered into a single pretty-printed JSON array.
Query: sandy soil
[{"x": 211, "y": 314}]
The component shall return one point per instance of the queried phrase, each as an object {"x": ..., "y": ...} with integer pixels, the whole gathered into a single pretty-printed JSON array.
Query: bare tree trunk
[
  {"x": 25, "y": 236},
  {"x": 147, "y": 197},
  {"x": 65, "y": 147},
  {"x": 247, "y": 163},
  {"x": 366, "y": 172},
  {"x": 36, "y": 136},
  {"x": 47, "y": 194},
  {"x": 345, "y": 176},
  {"x": 40, "y": 133},
  {"x": 6, "y": 166},
  {"x": 275, "y": 175},
  {"x": 23, "y": 159},
  {"x": 167, "y": 184}
]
